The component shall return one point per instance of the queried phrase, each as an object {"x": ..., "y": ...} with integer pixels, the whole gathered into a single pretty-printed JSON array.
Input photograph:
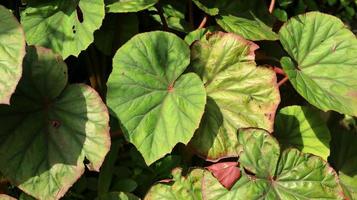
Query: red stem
[
  {"x": 279, "y": 71},
  {"x": 203, "y": 23},
  {"x": 271, "y": 7},
  {"x": 283, "y": 81}
]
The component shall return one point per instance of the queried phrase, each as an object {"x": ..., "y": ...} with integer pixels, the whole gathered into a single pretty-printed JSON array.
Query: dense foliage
[{"x": 178, "y": 99}]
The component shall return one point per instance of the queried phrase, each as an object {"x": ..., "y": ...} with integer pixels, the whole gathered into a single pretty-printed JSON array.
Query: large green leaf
[
  {"x": 50, "y": 128},
  {"x": 239, "y": 93},
  {"x": 124, "y": 6},
  {"x": 248, "y": 18},
  {"x": 188, "y": 188},
  {"x": 289, "y": 175},
  {"x": 344, "y": 156},
  {"x": 157, "y": 107},
  {"x": 324, "y": 69},
  {"x": 303, "y": 128},
  {"x": 66, "y": 27},
  {"x": 12, "y": 52}
]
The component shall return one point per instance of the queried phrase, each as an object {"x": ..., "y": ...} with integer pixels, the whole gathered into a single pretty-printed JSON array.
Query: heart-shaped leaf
[
  {"x": 248, "y": 18},
  {"x": 124, "y": 6},
  {"x": 12, "y": 52},
  {"x": 188, "y": 187},
  {"x": 239, "y": 93},
  {"x": 66, "y": 27},
  {"x": 304, "y": 129},
  {"x": 324, "y": 69},
  {"x": 289, "y": 175},
  {"x": 50, "y": 128},
  {"x": 157, "y": 107}
]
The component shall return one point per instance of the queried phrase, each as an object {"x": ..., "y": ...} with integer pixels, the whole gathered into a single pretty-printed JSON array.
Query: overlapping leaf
[
  {"x": 324, "y": 69},
  {"x": 50, "y": 128},
  {"x": 124, "y": 6},
  {"x": 287, "y": 175},
  {"x": 174, "y": 14},
  {"x": 66, "y": 27},
  {"x": 157, "y": 107},
  {"x": 248, "y": 18},
  {"x": 12, "y": 52},
  {"x": 303, "y": 128},
  {"x": 188, "y": 188},
  {"x": 6, "y": 197},
  {"x": 239, "y": 93}
]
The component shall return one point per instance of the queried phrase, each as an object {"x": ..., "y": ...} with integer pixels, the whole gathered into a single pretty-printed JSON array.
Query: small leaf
[
  {"x": 304, "y": 129},
  {"x": 188, "y": 188},
  {"x": 324, "y": 69},
  {"x": 198, "y": 34},
  {"x": 66, "y": 27},
  {"x": 12, "y": 52},
  {"x": 240, "y": 94},
  {"x": 227, "y": 173},
  {"x": 287, "y": 175},
  {"x": 157, "y": 107},
  {"x": 50, "y": 128},
  {"x": 124, "y": 6},
  {"x": 174, "y": 13},
  {"x": 248, "y": 18}
]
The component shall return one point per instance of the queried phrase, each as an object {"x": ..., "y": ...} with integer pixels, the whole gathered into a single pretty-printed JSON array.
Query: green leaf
[
  {"x": 239, "y": 93},
  {"x": 282, "y": 15},
  {"x": 344, "y": 157},
  {"x": 324, "y": 69},
  {"x": 188, "y": 188},
  {"x": 198, "y": 34},
  {"x": 115, "y": 31},
  {"x": 208, "y": 6},
  {"x": 66, "y": 27},
  {"x": 303, "y": 128},
  {"x": 118, "y": 196},
  {"x": 50, "y": 128},
  {"x": 174, "y": 12},
  {"x": 12, "y": 52},
  {"x": 124, "y": 6},
  {"x": 154, "y": 103},
  {"x": 248, "y": 18},
  {"x": 107, "y": 169},
  {"x": 274, "y": 175}
]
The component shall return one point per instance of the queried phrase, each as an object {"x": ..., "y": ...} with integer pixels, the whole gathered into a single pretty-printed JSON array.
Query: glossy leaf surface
[
  {"x": 239, "y": 93},
  {"x": 324, "y": 69},
  {"x": 157, "y": 107}
]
